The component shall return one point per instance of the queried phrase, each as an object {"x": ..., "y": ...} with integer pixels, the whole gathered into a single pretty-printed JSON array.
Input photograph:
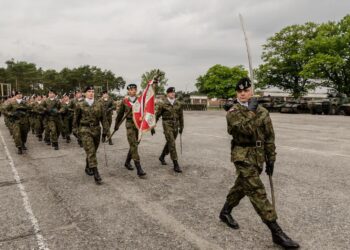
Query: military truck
[
  {"x": 344, "y": 109},
  {"x": 329, "y": 105},
  {"x": 295, "y": 106}
]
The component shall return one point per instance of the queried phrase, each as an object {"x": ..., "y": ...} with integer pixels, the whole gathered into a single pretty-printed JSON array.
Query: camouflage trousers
[
  {"x": 170, "y": 132},
  {"x": 109, "y": 119},
  {"x": 248, "y": 183},
  {"x": 20, "y": 133},
  {"x": 52, "y": 130},
  {"x": 90, "y": 136},
  {"x": 132, "y": 134},
  {"x": 67, "y": 123},
  {"x": 39, "y": 125}
]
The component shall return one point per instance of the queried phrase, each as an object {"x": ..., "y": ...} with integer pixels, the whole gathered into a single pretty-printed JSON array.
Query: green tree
[
  {"x": 162, "y": 80},
  {"x": 330, "y": 55},
  {"x": 284, "y": 59},
  {"x": 219, "y": 81}
]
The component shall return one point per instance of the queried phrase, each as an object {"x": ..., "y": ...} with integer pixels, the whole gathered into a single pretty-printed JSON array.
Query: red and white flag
[{"x": 143, "y": 110}]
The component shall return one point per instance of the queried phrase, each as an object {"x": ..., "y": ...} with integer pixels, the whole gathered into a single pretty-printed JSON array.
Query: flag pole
[{"x": 251, "y": 72}]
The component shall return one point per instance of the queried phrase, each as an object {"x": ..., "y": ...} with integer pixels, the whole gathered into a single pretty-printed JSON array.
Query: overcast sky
[{"x": 182, "y": 37}]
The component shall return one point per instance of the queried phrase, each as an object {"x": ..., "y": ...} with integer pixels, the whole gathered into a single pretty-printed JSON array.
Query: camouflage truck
[
  {"x": 295, "y": 106},
  {"x": 328, "y": 106},
  {"x": 344, "y": 109},
  {"x": 272, "y": 104}
]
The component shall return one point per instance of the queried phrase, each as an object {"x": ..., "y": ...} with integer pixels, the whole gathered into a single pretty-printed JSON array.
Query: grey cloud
[{"x": 184, "y": 38}]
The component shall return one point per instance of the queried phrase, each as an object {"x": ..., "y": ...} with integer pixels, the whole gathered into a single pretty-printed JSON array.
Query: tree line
[{"x": 296, "y": 59}]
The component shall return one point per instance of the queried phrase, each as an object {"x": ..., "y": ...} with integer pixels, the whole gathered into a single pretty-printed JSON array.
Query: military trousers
[
  {"x": 132, "y": 134},
  {"x": 39, "y": 125},
  {"x": 109, "y": 119},
  {"x": 170, "y": 131},
  {"x": 20, "y": 133},
  {"x": 248, "y": 183},
  {"x": 90, "y": 137},
  {"x": 53, "y": 129}
]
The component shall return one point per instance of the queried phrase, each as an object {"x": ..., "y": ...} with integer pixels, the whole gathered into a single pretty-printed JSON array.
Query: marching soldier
[
  {"x": 39, "y": 115},
  {"x": 132, "y": 132},
  {"x": 77, "y": 99},
  {"x": 173, "y": 123},
  {"x": 253, "y": 143},
  {"x": 52, "y": 107},
  {"x": 18, "y": 114},
  {"x": 88, "y": 115},
  {"x": 67, "y": 117},
  {"x": 108, "y": 107}
]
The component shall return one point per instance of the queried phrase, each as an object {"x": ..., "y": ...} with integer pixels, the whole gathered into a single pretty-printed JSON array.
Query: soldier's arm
[
  {"x": 159, "y": 112},
  {"x": 181, "y": 117},
  {"x": 269, "y": 143},
  {"x": 120, "y": 115},
  {"x": 76, "y": 117}
]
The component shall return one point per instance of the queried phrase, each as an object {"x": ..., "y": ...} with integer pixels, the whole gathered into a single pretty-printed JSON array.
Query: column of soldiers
[{"x": 249, "y": 124}]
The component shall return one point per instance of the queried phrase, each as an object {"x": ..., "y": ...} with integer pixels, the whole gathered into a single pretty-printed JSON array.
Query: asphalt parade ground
[{"x": 48, "y": 202}]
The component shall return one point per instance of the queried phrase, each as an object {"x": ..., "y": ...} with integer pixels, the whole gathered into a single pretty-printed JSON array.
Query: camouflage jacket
[
  {"x": 51, "y": 107},
  {"x": 88, "y": 117},
  {"x": 125, "y": 108},
  {"x": 108, "y": 105},
  {"x": 171, "y": 114},
  {"x": 18, "y": 112},
  {"x": 67, "y": 109},
  {"x": 248, "y": 130}
]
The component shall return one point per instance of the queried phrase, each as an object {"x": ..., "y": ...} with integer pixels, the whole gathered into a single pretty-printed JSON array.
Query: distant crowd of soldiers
[{"x": 49, "y": 117}]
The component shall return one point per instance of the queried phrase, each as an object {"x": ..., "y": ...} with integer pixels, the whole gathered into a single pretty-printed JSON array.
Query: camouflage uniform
[
  {"x": 173, "y": 121},
  {"x": 108, "y": 107},
  {"x": 75, "y": 130},
  {"x": 132, "y": 132},
  {"x": 67, "y": 119},
  {"x": 253, "y": 143},
  {"x": 86, "y": 121},
  {"x": 54, "y": 124},
  {"x": 39, "y": 114},
  {"x": 18, "y": 114}
]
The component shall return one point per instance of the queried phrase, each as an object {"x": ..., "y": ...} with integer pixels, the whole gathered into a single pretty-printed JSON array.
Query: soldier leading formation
[{"x": 248, "y": 122}]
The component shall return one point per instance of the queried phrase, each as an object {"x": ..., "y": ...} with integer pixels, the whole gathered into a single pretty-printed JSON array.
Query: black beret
[
  {"x": 243, "y": 83},
  {"x": 90, "y": 87},
  {"x": 104, "y": 91},
  {"x": 131, "y": 86},
  {"x": 170, "y": 90},
  {"x": 77, "y": 91},
  {"x": 18, "y": 93},
  {"x": 53, "y": 91}
]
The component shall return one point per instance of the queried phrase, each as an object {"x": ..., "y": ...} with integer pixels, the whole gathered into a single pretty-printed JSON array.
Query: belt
[
  {"x": 89, "y": 125},
  {"x": 257, "y": 144}
]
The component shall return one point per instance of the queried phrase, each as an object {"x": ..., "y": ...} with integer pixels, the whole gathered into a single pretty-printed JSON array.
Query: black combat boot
[
  {"x": 68, "y": 139},
  {"x": 279, "y": 237},
  {"x": 80, "y": 143},
  {"x": 48, "y": 142},
  {"x": 40, "y": 137},
  {"x": 103, "y": 138},
  {"x": 161, "y": 158},
  {"x": 55, "y": 145},
  {"x": 139, "y": 169},
  {"x": 128, "y": 162},
  {"x": 225, "y": 216},
  {"x": 177, "y": 167},
  {"x": 88, "y": 170},
  {"x": 110, "y": 141},
  {"x": 24, "y": 146},
  {"x": 19, "y": 151},
  {"x": 97, "y": 176}
]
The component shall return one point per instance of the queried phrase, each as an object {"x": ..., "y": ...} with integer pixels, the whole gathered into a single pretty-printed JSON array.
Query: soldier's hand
[
  {"x": 153, "y": 131},
  {"x": 253, "y": 104},
  {"x": 270, "y": 165},
  {"x": 181, "y": 130}
]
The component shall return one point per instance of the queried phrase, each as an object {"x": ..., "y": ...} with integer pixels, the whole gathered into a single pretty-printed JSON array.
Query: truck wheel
[
  {"x": 342, "y": 112},
  {"x": 333, "y": 110}
]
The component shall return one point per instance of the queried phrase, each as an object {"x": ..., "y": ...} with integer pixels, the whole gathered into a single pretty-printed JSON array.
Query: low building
[{"x": 199, "y": 99}]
